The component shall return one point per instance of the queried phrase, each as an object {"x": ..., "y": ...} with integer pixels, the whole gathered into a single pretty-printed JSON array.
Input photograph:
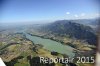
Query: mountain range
[{"x": 73, "y": 29}]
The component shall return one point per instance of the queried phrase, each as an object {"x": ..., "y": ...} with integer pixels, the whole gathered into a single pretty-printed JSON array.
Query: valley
[{"x": 21, "y": 46}]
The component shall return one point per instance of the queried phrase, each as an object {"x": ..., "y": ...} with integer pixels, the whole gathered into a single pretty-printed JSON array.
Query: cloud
[
  {"x": 82, "y": 14},
  {"x": 76, "y": 15},
  {"x": 67, "y": 12},
  {"x": 97, "y": 14}
]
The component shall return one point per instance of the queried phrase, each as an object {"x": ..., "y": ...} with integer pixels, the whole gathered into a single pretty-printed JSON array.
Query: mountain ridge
[{"x": 76, "y": 30}]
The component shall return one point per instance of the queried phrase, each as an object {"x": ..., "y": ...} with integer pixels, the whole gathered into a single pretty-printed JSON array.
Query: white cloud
[
  {"x": 67, "y": 12},
  {"x": 76, "y": 15},
  {"x": 82, "y": 14},
  {"x": 98, "y": 15}
]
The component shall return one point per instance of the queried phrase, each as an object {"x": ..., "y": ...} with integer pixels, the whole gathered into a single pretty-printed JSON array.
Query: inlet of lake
[{"x": 52, "y": 45}]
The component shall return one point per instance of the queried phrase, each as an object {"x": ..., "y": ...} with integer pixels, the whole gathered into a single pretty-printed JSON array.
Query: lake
[{"x": 52, "y": 45}]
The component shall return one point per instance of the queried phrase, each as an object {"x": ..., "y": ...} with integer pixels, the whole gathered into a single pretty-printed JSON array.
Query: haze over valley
[{"x": 50, "y": 29}]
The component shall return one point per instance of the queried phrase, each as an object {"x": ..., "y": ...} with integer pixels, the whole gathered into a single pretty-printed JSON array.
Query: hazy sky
[{"x": 47, "y": 10}]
